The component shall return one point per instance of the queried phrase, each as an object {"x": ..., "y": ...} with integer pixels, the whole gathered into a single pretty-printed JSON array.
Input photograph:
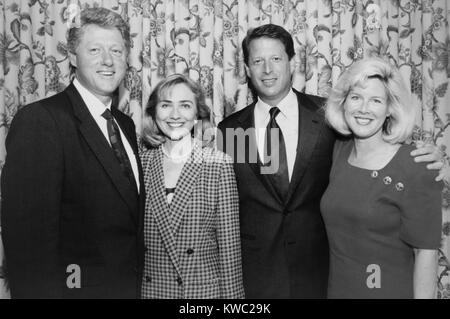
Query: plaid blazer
[{"x": 193, "y": 247}]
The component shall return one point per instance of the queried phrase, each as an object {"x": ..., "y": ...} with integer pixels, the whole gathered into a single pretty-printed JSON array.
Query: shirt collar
[
  {"x": 287, "y": 106},
  {"x": 95, "y": 106}
]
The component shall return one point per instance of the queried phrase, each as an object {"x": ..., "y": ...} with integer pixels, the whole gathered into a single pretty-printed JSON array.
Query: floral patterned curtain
[{"x": 202, "y": 38}]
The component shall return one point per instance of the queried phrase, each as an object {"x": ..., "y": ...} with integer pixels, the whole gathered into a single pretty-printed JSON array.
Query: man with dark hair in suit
[
  {"x": 284, "y": 243},
  {"x": 72, "y": 195}
]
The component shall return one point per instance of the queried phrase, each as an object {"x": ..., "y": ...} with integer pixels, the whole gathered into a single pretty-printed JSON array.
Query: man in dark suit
[
  {"x": 284, "y": 243},
  {"x": 72, "y": 209}
]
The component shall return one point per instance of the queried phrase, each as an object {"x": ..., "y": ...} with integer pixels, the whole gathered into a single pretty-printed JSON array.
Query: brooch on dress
[{"x": 387, "y": 180}]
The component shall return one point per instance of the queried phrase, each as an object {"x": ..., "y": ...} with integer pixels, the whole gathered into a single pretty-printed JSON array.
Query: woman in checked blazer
[{"x": 191, "y": 214}]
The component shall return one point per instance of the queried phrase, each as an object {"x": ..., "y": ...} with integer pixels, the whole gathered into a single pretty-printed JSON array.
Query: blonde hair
[
  {"x": 152, "y": 135},
  {"x": 399, "y": 125}
]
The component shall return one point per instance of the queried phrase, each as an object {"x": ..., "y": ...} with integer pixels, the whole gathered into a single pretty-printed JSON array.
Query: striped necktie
[{"x": 118, "y": 148}]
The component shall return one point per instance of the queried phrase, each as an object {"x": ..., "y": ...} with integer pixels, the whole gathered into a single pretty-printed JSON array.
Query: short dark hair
[
  {"x": 272, "y": 31},
  {"x": 101, "y": 17}
]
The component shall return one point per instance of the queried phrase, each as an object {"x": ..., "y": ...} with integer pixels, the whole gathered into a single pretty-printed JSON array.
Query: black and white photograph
[{"x": 238, "y": 151}]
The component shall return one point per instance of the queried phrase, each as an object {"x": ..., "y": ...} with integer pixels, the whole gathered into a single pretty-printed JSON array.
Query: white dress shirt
[
  {"x": 96, "y": 108},
  {"x": 287, "y": 120}
]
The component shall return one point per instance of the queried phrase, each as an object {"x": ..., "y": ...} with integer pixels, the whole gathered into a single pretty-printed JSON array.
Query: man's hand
[
  {"x": 435, "y": 156},
  {"x": 444, "y": 173}
]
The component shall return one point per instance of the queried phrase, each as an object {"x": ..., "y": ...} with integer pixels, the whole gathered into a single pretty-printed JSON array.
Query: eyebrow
[
  {"x": 352, "y": 91},
  {"x": 356, "y": 92},
  {"x": 182, "y": 101},
  {"x": 377, "y": 76},
  {"x": 99, "y": 46}
]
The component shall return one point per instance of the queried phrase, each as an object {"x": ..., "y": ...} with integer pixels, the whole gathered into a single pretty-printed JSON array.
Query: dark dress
[{"x": 375, "y": 219}]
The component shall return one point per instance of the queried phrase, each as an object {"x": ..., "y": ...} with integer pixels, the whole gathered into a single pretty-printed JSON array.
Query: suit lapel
[
  {"x": 247, "y": 122},
  {"x": 185, "y": 185},
  {"x": 100, "y": 147},
  {"x": 308, "y": 130},
  {"x": 159, "y": 207}
]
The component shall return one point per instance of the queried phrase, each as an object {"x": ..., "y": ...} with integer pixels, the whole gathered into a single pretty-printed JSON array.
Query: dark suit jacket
[
  {"x": 284, "y": 244},
  {"x": 65, "y": 201}
]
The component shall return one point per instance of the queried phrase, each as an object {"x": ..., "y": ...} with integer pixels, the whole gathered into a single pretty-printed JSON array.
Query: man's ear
[
  {"x": 73, "y": 59},
  {"x": 292, "y": 65}
]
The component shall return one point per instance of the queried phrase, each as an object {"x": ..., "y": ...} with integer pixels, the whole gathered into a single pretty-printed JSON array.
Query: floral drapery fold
[{"x": 203, "y": 38}]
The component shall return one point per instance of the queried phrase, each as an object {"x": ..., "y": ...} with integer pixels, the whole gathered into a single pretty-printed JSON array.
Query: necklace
[{"x": 176, "y": 158}]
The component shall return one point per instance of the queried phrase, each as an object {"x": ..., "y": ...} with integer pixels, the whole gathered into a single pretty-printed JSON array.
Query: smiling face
[
  {"x": 366, "y": 109},
  {"x": 176, "y": 112},
  {"x": 269, "y": 69},
  {"x": 100, "y": 60}
]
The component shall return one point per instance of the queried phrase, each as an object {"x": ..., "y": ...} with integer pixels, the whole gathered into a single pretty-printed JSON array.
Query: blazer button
[
  {"x": 189, "y": 251},
  {"x": 179, "y": 281},
  {"x": 148, "y": 279}
]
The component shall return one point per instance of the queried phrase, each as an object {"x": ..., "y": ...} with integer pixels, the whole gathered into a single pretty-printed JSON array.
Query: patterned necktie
[
  {"x": 118, "y": 148},
  {"x": 280, "y": 179}
]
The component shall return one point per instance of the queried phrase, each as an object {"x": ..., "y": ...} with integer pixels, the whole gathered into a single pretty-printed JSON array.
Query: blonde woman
[{"x": 382, "y": 210}]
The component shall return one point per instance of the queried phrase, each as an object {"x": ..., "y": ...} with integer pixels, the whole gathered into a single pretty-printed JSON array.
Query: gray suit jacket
[{"x": 193, "y": 245}]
